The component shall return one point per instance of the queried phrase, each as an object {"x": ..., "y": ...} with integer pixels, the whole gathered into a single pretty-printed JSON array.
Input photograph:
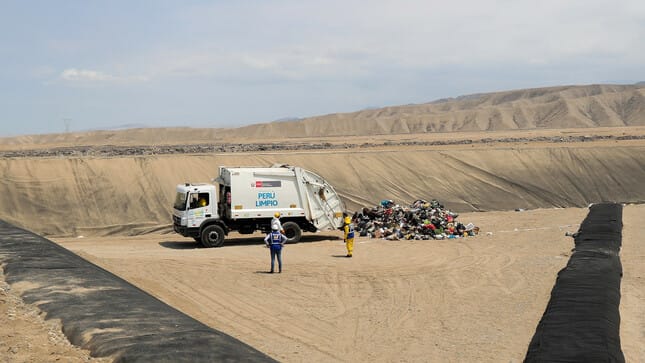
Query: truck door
[
  {"x": 224, "y": 201},
  {"x": 199, "y": 208}
]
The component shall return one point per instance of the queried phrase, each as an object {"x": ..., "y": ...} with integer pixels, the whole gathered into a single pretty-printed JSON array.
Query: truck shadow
[{"x": 245, "y": 241}]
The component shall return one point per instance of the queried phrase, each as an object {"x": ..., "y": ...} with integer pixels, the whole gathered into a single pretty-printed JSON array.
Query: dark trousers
[{"x": 276, "y": 252}]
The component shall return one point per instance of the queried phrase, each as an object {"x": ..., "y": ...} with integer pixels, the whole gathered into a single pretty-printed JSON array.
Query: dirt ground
[{"x": 475, "y": 299}]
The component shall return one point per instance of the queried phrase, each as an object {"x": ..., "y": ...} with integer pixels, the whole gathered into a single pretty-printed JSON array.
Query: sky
[{"x": 82, "y": 65}]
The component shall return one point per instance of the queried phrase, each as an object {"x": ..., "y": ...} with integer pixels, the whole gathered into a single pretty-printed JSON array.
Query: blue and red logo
[{"x": 268, "y": 183}]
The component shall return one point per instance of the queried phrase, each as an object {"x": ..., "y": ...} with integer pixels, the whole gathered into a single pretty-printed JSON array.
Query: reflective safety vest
[
  {"x": 349, "y": 231},
  {"x": 276, "y": 238}
]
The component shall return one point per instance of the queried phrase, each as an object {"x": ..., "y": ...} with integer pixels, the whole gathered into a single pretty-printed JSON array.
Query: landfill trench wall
[
  {"x": 105, "y": 314},
  {"x": 70, "y": 197},
  {"x": 582, "y": 320}
]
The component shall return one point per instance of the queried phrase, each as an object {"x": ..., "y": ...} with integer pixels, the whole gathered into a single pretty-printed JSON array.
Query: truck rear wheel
[
  {"x": 213, "y": 236},
  {"x": 292, "y": 231}
]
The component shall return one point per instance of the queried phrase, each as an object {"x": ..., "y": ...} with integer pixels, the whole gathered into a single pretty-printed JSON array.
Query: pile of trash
[{"x": 422, "y": 220}]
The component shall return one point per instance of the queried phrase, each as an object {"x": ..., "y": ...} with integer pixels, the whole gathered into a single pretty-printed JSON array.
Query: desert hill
[
  {"x": 561, "y": 107},
  {"x": 555, "y": 107}
]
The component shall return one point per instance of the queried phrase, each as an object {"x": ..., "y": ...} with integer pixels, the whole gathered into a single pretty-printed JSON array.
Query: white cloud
[
  {"x": 346, "y": 41},
  {"x": 88, "y": 76},
  {"x": 349, "y": 39},
  {"x": 73, "y": 74},
  {"x": 295, "y": 63}
]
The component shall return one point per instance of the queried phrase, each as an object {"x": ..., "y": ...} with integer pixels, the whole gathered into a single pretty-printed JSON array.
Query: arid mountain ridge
[
  {"x": 553, "y": 107},
  {"x": 587, "y": 106}
]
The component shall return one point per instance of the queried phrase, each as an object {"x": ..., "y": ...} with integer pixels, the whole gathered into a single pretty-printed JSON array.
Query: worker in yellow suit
[{"x": 349, "y": 235}]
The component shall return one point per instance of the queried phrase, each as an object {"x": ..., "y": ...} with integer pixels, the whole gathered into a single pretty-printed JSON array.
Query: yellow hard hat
[
  {"x": 277, "y": 214},
  {"x": 348, "y": 220}
]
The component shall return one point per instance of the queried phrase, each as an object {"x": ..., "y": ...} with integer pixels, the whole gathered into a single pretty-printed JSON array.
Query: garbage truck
[{"x": 245, "y": 199}]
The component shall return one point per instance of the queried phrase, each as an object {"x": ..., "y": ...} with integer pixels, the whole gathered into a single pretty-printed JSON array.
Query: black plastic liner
[
  {"x": 107, "y": 315},
  {"x": 582, "y": 321}
]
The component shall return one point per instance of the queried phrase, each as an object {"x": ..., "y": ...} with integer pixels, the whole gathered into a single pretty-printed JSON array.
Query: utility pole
[{"x": 67, "y": 122}]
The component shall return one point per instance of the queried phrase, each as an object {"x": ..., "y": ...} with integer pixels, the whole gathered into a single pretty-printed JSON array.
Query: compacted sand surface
[{"x": 475, "y": 299}]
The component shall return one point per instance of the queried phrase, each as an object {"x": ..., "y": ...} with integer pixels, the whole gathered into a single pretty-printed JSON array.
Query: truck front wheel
[
  {"x": 213, "y": 236},
  {"x": 292, "y": 231}
]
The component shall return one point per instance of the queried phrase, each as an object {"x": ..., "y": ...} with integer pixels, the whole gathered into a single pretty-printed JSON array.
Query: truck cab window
[
  {"x": 199, "y": 200},
  {"x": 203, "y": 200},
  {"x": 180, "y": 201}
]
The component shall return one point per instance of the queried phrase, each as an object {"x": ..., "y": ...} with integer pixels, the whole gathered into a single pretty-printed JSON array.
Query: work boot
[{"x": 349, "y": 255}]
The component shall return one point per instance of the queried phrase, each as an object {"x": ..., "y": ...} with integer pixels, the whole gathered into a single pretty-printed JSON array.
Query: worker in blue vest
[{"x": 275, "y": 241}]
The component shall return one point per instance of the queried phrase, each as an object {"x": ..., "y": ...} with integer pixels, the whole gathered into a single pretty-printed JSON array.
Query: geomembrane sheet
[
  {"x": 581, "y": 322},
  {"x": 105, "y": 314}
]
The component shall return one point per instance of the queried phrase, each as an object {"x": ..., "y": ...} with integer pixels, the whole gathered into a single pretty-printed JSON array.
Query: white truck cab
[{"x": 194, "y": 203}]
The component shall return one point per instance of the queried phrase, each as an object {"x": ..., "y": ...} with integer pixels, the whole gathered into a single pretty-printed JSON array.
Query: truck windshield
[{"x": 180, "y": 201}]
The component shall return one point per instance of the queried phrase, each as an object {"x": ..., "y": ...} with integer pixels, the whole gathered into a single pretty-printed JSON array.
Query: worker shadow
[
  {"x": 242, "y": 241},
  {"x": 315, "y": 238},
  {"x": 339, "y": 256},
  {"x": 180, "y": 245},
  {"x": 190, "y": 245}
]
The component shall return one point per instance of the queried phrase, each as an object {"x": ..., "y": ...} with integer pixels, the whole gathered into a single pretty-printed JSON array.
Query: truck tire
[
  {"x": 213, "y": 236},
  {"x": 292, "y": 231}
]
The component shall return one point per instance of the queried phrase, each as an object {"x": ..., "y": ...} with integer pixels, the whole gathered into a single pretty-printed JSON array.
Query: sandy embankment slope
[
  {"x": 133, "y": 195},
  {"x": 476, "y": 299}
]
